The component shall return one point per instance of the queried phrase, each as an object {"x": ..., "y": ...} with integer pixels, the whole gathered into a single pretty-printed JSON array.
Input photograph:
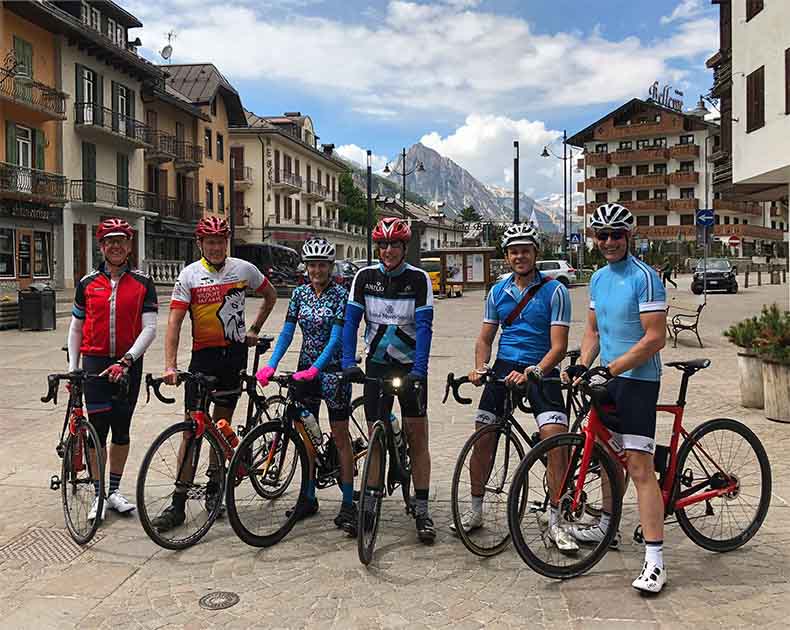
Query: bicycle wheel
[
  {"x": 274, "y": 407},
  {"x": 174, "y": 465},
  {"x": 357, "y": 430},
  {"x": 529, "y": 527},
  {"x": 77, "y": 479},
  {"x": 494, "y": 478},
  {"x": 261, "y": 521},
  {"x": 713, "y": 454},
  {"x": 372, "y": 493}
]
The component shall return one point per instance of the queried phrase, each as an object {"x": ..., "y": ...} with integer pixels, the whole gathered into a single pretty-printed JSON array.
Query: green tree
[
  {"x": 470, "y": 214},
  {"x": 356, "y": 209}
]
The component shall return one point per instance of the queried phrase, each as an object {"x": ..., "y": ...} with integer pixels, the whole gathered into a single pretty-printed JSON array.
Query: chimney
[
  {"x": 292, "y": 114},
  {"x": 328, "y": 148}
]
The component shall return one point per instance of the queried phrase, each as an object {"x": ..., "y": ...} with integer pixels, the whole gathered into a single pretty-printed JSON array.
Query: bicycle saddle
[{"x": 694, "y": 365}]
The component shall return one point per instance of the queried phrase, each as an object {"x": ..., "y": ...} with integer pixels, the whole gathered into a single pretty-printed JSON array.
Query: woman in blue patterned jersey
[{"x": 318, "y": 308}]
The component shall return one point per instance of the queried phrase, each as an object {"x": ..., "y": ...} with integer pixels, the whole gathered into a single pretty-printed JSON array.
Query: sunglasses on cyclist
[
  {"x": 615, "y": 235},
  {"x": 392, "y": 244}
]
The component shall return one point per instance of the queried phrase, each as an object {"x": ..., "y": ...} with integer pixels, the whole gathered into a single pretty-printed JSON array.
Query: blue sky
[{"x": 466, "y": 77}]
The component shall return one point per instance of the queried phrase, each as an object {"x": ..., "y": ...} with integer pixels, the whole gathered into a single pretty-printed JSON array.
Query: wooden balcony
[
  {"x": 646, "y": 206},
  {"x": 688, "y": 232},
  {"x": 30, "y": 184},
  {"x": 639, "y": 181},
  {"x": 684, "y": 178},
  {"x": 640, "y": 155},
  {"x": 684, "y": 151},
  {"x": 597, "y": 183},
  {"x": 683, "y": 205},
  {"x": 595, "y": 159},
  {"x": 738, "y": 207}
]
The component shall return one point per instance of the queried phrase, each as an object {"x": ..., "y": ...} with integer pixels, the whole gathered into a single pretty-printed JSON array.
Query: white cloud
[
  {"x": 685, "y": 10},
  {"x": 483, "y": 145},
  {"x": 452, "y": 56},
  {"x": 359, "y": 155}
]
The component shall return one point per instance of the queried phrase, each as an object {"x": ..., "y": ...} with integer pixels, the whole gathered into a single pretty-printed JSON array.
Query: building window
[
  {"x": 642, "y": 169},
  {"x": 41, "y": 254},
  {"x": 716, "y": 219},
  {"x": 687, "y": 139},
  {"x": 773, "y": 227},
  {"x": 686, "y": 219},
  {"x": 209, "y": 196},
  {"x": 660, "y": 219},
  {"x": 642, "y": 195},
  {"x": 643, "y": 219},
  {"x": 626, "y": 195},
  {"x": 95, "y": 19},
  {"x": 753, "y": 7},
  {"x": 85, "y": 12},
  {"x": 661, "y": 193},
  {"x": 660, "y": 142},
  {"x": 687, "y": 167},
  {"x": 660, "y": 169},
  {"x": 120, "y": 36},
  {"x": 755, "y": 100},
  {"x": 220, "y": 198},
  {"x": 642, "y": 144},
  {"x": 746, "y": 221},
  {"x": 626, "y": 145},
  {"x": 7, "y": 242},
  {"x": 214, "y": 107},
  {"x": 601, "y": 148},
  {"x": 277, "y": 208},
  {"x": 207, "y": 142},
  {"x": 787, "y": 81},
  {"x": 625, "y": 171},
  {"x": 726, "y": 219},
  {"x": 735, "y": 220},
  {"x": 687, "y": 193},
  {"x": 601, "y": 172},
  {"x": 220, "y": 148},
  {"x": 111, "y": 30},
  {"x": 601, "y": 197}
]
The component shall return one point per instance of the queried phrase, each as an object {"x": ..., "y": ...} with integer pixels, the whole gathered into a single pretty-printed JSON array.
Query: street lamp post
[
  {"x": 404, "y": 172},
  {"x": 564, "y": 157},
  {"x": 370, "y": 211},
  {"x": 515, "y": 182}
]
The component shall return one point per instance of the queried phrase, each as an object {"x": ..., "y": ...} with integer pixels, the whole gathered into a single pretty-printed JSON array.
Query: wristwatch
[
  {"x": 255, "y": 328},
  {"x": 483, "y": 370},
  {"x": 127, "y": 360}
]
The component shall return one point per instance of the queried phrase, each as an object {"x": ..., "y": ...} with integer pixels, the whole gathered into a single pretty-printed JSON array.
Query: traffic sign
[
  {"x": 705, "y": 217},
  {"x": 576, "y": 238},
  {"x": 734, "y": 241}
]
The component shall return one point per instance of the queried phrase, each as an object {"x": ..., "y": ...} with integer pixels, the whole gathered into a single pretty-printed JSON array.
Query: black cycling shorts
[
  {"x": 329, "y": 388},
  {"x": 413, "y": 403},
  {"x": 225, "y": 364},
  {"x": 106, "y": 409},
  {"x": 634, "y": 422},
  {"x": 492, "y": 401}
]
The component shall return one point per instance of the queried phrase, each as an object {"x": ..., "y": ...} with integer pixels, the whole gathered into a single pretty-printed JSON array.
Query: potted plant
[
  {"x": 773, "y": 346},
  {"x": 750, "y": 373}
]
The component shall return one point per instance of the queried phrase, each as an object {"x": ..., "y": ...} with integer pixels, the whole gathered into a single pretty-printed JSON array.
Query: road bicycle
[
  {"x": 387, "y": 467},
  {"x": 717, "y": 483},
  {"x": 270, "y": 457},
  {"x": 172, "y": 470},
  {"x": 82, "y": 467}
]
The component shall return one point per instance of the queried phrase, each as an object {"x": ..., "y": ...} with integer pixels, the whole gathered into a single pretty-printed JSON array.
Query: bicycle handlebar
[
  {"x": 453, "y": 385},
  {"x": 53, "y": 383}
]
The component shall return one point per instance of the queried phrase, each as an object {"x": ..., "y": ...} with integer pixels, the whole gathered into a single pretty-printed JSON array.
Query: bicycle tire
[
  {"x": 472, "y": 540},
  {"x": 688, "y": 522},
  {"x": 283, "y": 483},
  {"x": 243, "y": 509},
  {"x": 366, "y": 536},
  {"x": 357, "y": 430},
  {"x": 70, "y": 484},
  {"x": 274, "y": 407},
  {"x": 529, "y": 550},
  {"x": 145, "y": 492}
]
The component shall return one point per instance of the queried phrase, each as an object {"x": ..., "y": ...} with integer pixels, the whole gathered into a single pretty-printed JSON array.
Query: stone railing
[{"x": 163, "y": 271}]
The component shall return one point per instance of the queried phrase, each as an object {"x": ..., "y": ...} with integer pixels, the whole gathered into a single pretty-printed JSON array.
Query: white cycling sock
[
  {"x": 603, "y": 524},
  {"x": 654, "y": 553},
  {"x": 477, "y": 503},
  {"x": 554, "y": 516}
]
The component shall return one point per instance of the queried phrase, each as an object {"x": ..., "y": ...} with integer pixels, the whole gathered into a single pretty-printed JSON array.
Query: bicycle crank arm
[{"x": 54, "y": 482}]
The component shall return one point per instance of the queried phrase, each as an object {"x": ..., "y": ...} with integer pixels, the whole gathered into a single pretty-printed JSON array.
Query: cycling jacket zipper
[{"x": 113, "y": 295}]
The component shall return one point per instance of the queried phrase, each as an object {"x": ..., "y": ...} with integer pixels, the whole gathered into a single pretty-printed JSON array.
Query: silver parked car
[{"x": 554, "y": 269}]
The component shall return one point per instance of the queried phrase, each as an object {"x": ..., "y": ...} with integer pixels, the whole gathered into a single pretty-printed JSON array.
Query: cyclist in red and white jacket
[{"x": 113, "y": 322}]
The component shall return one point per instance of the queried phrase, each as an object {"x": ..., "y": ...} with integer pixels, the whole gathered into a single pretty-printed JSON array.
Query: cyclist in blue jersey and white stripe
[
  {"x": 626, "y": 324},
  {"x": 533, "y": 315}
]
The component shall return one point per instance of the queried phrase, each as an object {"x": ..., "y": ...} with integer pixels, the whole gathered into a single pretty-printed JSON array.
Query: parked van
[
  {"x": 277, "y": 262},
  {"x": 433, "y": 267}
]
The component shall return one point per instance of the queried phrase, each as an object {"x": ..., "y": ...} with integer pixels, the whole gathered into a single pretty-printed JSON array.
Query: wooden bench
[{"x": 683, "y": 314}]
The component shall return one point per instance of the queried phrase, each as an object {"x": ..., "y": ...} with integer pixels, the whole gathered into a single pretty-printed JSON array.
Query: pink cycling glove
[
  {"x": 306, "y": 375},
  {"x": 264, "y": 374}
]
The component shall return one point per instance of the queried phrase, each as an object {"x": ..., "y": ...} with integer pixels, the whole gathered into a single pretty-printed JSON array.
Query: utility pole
[
  {"x": 370, "y": 212},
  {"x": 515, "y": 182},
  {"x": 565, "y": 193}
]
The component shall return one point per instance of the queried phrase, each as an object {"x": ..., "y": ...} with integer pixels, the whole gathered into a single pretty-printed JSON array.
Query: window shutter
[
  {"x": 122, "y": 179},
  {"x": 10, "y": 142},
  {"x": 88, "y": 171},
  {"x": 130, "y": 101},
  {"x": 98, "y": 99},
  {"x": 787, "y": 81},
  {"x": 79, "y": 92},
  {"x": 38, "y": 140},
  {"x": 115, "y": 107}
]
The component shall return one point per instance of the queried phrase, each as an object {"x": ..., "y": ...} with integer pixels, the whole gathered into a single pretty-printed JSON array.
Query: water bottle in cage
[
  {"x": 396, "y": 430},
  {"x": 312, "y": 428}
]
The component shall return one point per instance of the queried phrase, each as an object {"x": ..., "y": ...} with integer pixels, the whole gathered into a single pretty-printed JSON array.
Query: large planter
[
  {"x": 776, "y": 381},
  {"x": 750, "y": 377}
]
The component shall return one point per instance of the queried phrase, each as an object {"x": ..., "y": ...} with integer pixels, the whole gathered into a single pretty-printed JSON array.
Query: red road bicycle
[{"x": 717, "y": 483}]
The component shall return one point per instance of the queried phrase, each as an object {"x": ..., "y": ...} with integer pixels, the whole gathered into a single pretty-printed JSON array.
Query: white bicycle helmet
[
  {"x": 520, "y": 234},
  {"x": 612, "y": 215},
  {"x": 318, "y": 249}
]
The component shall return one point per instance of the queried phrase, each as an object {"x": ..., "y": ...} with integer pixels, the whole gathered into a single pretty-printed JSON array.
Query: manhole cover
[
  {"x": 44, "y": 545},
  {"x": 218, "y": 600}
]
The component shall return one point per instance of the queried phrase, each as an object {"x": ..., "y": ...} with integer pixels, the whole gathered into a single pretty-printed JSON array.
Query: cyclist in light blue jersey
[
  {"x": 533, "y": 315},
  {"x": 626, "y": 324}
]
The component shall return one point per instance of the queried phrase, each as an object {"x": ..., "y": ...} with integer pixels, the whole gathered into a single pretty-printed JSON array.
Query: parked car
[
  {"x": 433, "y": 267},
  {"x": 363, "y": 262},
  {"x": 343, "y": 272},
  {"x": 277, "y": 262},
  {"x": 720, "y": 276},
  {"x": 557, "y": 270}
]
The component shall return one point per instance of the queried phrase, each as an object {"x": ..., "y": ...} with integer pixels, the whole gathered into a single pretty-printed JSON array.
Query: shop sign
[{"x": 35, "y": 213}]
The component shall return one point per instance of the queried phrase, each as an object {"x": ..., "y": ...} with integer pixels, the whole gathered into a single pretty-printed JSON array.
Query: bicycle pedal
[
  {"x": 639, "y": 537},
  {"x": 54, "y": 482}
]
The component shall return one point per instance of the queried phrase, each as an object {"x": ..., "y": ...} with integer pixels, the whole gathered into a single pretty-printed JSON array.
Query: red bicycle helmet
[
  {"x": 113, "y": 227},
  {"x": 212, "y": 226},
  {"x": 392, "y": 229}
]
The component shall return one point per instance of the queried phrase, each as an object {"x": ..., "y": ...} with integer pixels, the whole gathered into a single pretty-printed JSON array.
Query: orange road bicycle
[{"x": 717, "y": 483}]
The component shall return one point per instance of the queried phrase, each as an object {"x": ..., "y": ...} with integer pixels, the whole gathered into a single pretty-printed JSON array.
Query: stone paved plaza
[{"x": 314, "y": 579}]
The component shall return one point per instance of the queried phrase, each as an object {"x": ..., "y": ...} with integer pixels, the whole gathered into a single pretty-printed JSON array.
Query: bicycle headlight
[{"x": 396, "y": 382}]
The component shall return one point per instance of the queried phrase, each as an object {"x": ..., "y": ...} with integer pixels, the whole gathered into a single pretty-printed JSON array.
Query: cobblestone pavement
[{"x": 313, "y": 577}]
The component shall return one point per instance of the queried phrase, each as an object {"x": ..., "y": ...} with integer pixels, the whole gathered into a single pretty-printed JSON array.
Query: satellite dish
[{"x": 166, "y": 52}]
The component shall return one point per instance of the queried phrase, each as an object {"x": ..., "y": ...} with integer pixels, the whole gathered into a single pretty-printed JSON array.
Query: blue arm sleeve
[
  {"x": 350, "y": 327},
  {"x": 331, "y": 346},
  {"x": 283, "y": 341},
  {"x": 423, "y": 320}
]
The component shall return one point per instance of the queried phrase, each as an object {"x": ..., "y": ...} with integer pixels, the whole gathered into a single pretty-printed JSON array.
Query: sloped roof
[{"x": 201, "y": 82}]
